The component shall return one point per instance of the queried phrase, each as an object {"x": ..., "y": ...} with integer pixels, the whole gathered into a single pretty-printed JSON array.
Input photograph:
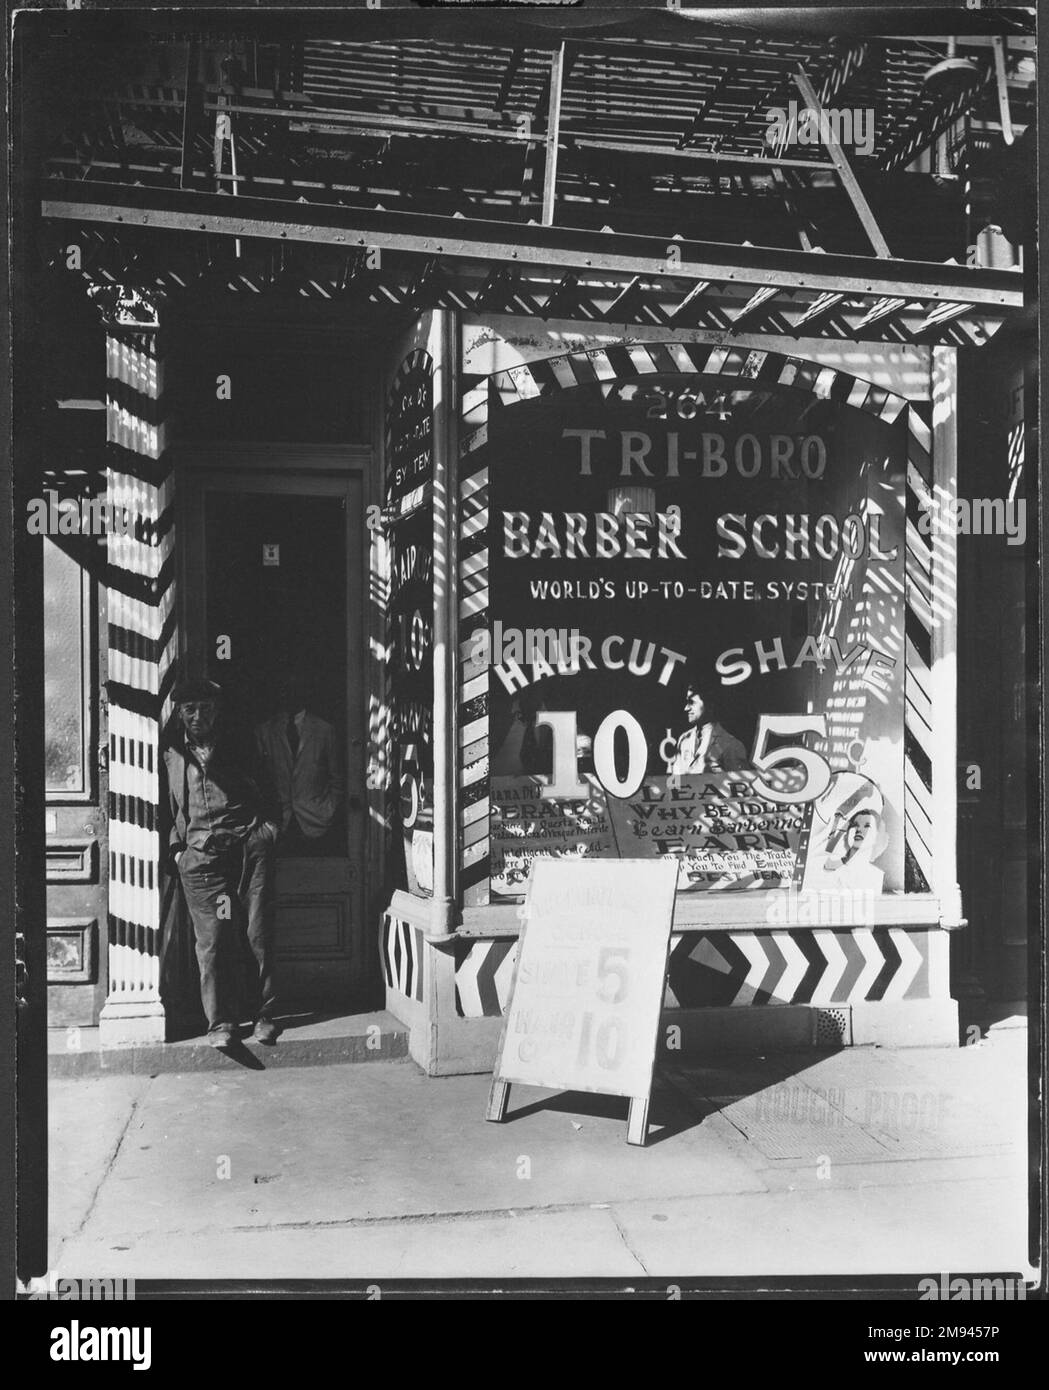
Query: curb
[{"x": 156, "y": 1059}]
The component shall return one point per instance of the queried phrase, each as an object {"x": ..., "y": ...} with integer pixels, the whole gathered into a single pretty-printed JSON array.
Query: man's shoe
[
  {"x": 266, "y": 1031},
  {"x": 222, "y": 1036}
]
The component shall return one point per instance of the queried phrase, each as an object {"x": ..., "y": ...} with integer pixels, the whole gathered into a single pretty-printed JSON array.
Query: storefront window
[
  {"x": 697, "y": 634},
  {"x": 65, "y": 675}
]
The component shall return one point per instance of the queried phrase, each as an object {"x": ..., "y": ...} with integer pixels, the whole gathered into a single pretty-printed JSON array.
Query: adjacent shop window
[
  {"x": 696, "y": 638},
  {"x": 66, "y": 675}
]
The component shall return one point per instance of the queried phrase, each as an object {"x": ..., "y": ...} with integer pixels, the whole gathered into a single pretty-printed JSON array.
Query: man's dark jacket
[{"x": 237, "y": 771}]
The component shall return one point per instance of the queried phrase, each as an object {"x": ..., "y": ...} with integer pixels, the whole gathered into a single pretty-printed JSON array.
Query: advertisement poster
[
  {"x": 588, "y": 987},
  {"x": 697, "y": 636},
  {"x": 408, "y": 514}
]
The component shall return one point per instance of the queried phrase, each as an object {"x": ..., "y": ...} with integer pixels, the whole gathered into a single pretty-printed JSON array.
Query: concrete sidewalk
[
  {"x": 861, "y": 1161},
  {"x": 306, "y": 1040}
]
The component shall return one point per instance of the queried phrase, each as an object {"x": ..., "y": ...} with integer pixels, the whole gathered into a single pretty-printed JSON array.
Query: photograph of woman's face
[{"x": 861, "y": 828}]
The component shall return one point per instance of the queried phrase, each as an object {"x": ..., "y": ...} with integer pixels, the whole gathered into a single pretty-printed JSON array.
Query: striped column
[
  {"x": 142, "y": 647},
  {"x": 943, "y": 691},
  {"x": 917, "y": 676},
  {"x": 474, "y": 808}
]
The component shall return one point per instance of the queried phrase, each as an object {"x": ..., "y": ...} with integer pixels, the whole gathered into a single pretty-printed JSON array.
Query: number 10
[{"x": 566, "y": 784}]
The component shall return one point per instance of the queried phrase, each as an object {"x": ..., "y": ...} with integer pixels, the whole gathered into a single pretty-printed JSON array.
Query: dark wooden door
[
  {"x": 276, "y": 567},
  {"x": 75, "y": 761}
]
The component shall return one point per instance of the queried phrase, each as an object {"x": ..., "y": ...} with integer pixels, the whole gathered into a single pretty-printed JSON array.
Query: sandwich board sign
[{"x": 589, "y": 982}]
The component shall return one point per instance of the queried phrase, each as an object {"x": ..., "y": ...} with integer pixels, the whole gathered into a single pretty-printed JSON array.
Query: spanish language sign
[
  {"x": 588, "y": 986},
  {"x": 531, "y": 825}
]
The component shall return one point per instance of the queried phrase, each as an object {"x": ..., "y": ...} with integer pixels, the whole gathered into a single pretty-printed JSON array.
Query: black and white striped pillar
[{"x": 142, "y": 649}]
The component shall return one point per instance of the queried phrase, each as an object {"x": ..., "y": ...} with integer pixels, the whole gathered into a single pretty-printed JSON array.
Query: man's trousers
[{"x": 229, "y": 893}]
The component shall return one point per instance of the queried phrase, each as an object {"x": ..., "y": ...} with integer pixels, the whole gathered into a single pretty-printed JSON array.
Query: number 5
[
  {"x": 817, "y": 769},
  {"x": 612, "y": 962}
]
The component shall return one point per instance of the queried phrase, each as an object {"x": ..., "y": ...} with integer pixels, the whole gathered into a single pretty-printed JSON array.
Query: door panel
[
  {"x": 278, "y": 560},
  {"x": 75, "y": 771}
]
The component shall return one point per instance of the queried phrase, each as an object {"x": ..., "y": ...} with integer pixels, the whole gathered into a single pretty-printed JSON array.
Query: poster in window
[
  {"x": 696, "y": 643},
  {"x": 409, "y": 514}
]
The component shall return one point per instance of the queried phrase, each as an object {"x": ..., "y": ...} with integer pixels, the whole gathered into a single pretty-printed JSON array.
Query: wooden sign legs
[
  {"x": 637, "y": 1120},
  {"x": 498, "y": 1097},
  {"x": 637, "y": 1115}
]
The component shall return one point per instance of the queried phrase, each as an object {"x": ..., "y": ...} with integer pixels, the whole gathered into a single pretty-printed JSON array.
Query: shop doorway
[{"x": 274, "y": 573}]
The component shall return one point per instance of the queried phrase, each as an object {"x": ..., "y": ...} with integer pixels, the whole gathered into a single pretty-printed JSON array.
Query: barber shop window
[
  {"x": 67, "y": 630},
  {"x": 696, "y": 635}
]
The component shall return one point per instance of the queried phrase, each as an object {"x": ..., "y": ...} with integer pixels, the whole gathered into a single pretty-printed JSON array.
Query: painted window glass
[
  {"x": 697, "y": 640},
  {"x": 65, "y": 674}
]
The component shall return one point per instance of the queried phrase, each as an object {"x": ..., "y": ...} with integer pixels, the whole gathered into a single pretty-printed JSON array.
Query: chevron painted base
[
  {"x": 483, "y": 974},
  {"x": 817, "y": 966},
  {"x": 807, "y": 966},
  {"x": 403, "y": 957},
  {"x": 798, "y": 1027}
]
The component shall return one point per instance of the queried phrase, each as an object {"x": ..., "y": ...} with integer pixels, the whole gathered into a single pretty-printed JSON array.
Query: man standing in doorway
[
  {"x": 300, "y": 753},
  {"x": 222, "y": 837}
]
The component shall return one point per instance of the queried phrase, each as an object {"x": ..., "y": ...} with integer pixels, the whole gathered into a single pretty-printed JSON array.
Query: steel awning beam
[
  {"x": 846, "y": 173},
  {"x": 757, "y": 307},
  {"x": 690, "y": 304},
  {"x": 546, "y": 248},
  {"x": 625, "y": 301},
  {"x": 565, "y": 300},
  {"x": 819, "y": 312},
  {"x": 940, "y": 317},
  {"x": 553, "y": 135},
  {"x": 888, "y": 308}
]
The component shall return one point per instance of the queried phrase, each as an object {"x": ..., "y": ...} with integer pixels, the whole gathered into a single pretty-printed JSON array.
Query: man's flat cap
[{"x": 193, "y": 690}]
